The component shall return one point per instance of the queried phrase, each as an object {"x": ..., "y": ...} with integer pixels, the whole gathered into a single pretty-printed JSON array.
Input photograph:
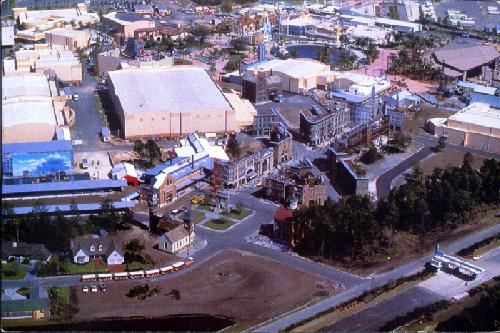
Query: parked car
[
  {"x": 85, "y": 163},
  {"x": 85, "y": 289},
  {"x": 102, "y": 288},
  {"x": 75, "y": 97},
  {"x": 93, "y": 289}
]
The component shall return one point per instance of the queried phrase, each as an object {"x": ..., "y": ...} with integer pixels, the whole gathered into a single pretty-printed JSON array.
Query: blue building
[{"x": 37, "y": 158}]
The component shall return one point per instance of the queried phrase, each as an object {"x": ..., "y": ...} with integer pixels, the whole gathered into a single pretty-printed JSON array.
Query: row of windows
[{"x": 197, "y": 117}]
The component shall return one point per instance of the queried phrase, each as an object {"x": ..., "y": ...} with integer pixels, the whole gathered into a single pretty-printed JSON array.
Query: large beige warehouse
[
  {"x": 31, "y": 111},
  {"x": 172, "y": 102},
  {"x": 476, "y": 126}
]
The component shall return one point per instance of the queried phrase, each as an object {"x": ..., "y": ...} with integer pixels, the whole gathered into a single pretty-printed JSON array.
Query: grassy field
[
  {"x": 243, "y": 213},
  {"x": 198, "y": 216},
  {"x": 73, "y": 269},
  {"x": 17, "y": 272},
  {"x": 218, "y": 224},
  {"x": 135, "y": 266}
]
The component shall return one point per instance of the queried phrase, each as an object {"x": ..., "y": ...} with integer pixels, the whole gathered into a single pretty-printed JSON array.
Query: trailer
[
  {"x": 136, "y": 275},
  {"x": 178, "y": 265},
  {"x": 152, "y": 273},
  {"x": 89, "y": 277},
  {"x": 105, "y": 277},
  {"x": 166, "y": 270},
  {"x": 121, "y": 276}
]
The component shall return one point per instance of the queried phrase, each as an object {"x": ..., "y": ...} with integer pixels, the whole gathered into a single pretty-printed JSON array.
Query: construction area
[{"x": 248, "y": 288}]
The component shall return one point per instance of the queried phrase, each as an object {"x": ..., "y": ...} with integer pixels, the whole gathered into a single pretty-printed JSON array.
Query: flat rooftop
[
  {"x": 27, "y": 84},
  {"x": 177, "y": 89},
  {"x": 296, "y": 68},
  {"x": 481, "y": 114}
]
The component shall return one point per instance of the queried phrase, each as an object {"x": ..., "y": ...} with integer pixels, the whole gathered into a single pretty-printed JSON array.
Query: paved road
[
  {"x": 383, "y": 183},
  {"x": 405, "y": 270},
  {"x": 88, "y": 121}
]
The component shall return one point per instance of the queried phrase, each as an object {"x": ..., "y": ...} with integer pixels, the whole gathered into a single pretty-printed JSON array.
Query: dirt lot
[
  {"x": 246, "y": 287},
  {"x": 448, "y": 157},
  {"x": 416, "y": 125}
]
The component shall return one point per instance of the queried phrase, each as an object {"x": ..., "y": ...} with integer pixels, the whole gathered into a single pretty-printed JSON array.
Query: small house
[
  {"x": 176, "y": 239},
  {"x": 21, "y": 251},
  {"x": 95, "y": 247},
  {"x": 36, "y": 308}
]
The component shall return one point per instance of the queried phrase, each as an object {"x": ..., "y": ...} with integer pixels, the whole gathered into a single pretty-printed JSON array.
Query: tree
[
  {"x": 153, "y": 150},
  {"x": 201, "y": 31},
  {"x": 441, "y": 144},
  {"x": 233, "y": 146},
  {"x": 74, "y": 211},
  {"x": 371, "y": 155},
  {"x": 344, "y": 41},
  {"x": 324, "y": 54},
  {"x": 226, "y": 7},
  {"x": 237, "y": 44},
  {"x": 139, "y": 148},
  {"x": 372, "y": 53}
]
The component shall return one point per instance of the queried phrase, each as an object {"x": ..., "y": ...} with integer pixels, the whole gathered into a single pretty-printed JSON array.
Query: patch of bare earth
[
  {"x": 248, "y": 288},
  {"x": 448, "y": 157}
]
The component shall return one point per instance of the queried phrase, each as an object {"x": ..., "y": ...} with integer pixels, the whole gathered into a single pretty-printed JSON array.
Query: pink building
[{"x": 127, "y": 23}]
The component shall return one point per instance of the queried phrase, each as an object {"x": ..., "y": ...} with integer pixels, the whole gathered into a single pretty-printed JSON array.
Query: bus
[
  {"x": 121, "y": 276},
  {"x": 89, "y": 278},
  {"x": 136, "y": 275},
  {"x": 105, "y": 277},
  {"x": 152, "y": 273},
  {"x": 166, "y": 270}
]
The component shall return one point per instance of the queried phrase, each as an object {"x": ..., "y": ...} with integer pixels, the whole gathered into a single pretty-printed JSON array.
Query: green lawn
[
  {"x": 135, "y": 266},
  {"x": 198, "y": 216},
  {"x": 73, "y": 269},
  {"x": 218, "y": 224},
  {"x": 243, "y": 213},
  {"x": 13, "y": 271},
  {"x": 205, "y": 207}
]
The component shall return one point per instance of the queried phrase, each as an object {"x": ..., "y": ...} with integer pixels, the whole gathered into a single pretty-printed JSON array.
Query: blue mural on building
[{"x": 38, "y": 164}]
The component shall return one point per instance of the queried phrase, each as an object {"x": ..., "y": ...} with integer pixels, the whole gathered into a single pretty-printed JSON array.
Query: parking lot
[{"x": 98, "y": 164}]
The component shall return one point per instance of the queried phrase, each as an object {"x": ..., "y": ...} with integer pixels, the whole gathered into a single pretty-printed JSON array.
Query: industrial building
[
  {"x": 32, "y": 108},
  {"x": 37, "y": 158},
  {"x": 172, "y": 102},
  {"x": 361, "y": 92},
  {"x": 464, "y": 60},
  {"x": 50, "y": 189},
  {"x": 127, "y": 23},
  {"x": 8, "y": 33},
  {"x": 68, "y": 39},
  {"x": 297, "y": 75},
  {"x": 62, "y": 64},
  {"x": 476, "y": 126},
  {"x": 36, "y": 23}
]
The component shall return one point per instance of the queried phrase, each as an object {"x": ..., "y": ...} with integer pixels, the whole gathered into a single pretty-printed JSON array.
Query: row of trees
[
  {"x": 356, "y": 228},
  {"x": 55, "y": 232},
  {"x": 149, "y": 150}
]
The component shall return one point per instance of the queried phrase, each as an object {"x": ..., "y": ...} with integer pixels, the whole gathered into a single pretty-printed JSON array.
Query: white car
[
  {"x": 75, "y": 97},
  {"x": 93, "y": 289},
  {"x": 85, "y": 289}
]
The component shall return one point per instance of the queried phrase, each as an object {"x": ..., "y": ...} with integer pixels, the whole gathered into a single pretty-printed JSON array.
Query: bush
[{"x": 371, "y": 155}]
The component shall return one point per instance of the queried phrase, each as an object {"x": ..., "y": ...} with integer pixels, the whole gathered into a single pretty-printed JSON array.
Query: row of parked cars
[{"x": 93, "y": 288}]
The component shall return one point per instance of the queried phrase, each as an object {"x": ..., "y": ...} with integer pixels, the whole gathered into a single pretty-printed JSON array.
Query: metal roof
[
  {"x": 37, "y": 147},
  {"x": 63, "y": 186},
  {"x": 178, "y": 89},
  {"x": 465, "y": 57},
  {"x": 79, "y": 207},
  {"x": 24, "y": 305},
  {"x": 159, "y": 168}
]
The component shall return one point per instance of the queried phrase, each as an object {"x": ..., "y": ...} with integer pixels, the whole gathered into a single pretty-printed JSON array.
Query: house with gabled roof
[{"x": 104, "y": 247}]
